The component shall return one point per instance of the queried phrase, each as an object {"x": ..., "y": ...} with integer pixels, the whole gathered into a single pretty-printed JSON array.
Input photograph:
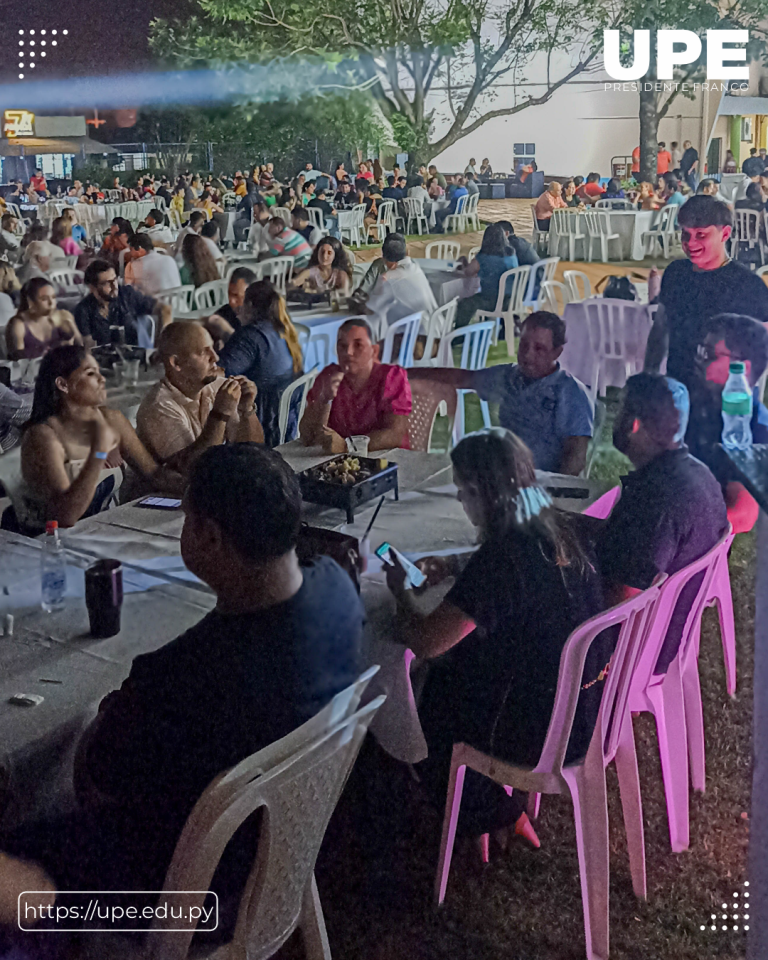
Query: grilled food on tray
[{"x": 343, "y": 470}]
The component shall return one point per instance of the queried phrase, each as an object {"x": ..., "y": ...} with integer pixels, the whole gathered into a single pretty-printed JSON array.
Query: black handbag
[{"x": 619, "y": 288}]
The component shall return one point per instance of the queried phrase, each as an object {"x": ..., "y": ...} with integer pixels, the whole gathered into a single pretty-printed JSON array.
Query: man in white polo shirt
[
  {"x": 154, "y": 225},
  {"x": 402, "y": 289},
  {"x": 151, "y": 272}
]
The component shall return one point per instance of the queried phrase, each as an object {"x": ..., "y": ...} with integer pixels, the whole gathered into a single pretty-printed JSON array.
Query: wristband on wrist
[
  {"x": 216, "y": 415},
  {"x": 100, "y": 455}
]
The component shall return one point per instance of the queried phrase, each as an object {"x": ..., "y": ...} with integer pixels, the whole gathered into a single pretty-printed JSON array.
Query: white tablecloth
[
  {"x": 445, "y": 282},
  {"x": 582, "y": 326},
  {"x": 629, "y": 224}
]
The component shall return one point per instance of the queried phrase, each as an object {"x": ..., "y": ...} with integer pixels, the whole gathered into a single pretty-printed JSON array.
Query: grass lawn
[{"x": 377, "y": 867}]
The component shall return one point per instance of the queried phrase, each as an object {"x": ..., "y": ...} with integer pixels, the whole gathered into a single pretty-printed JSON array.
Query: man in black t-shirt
[
  {"x": 688, "y": 163},
  {"x": 704, "y": 285},
  {"x": 753, "y": 166}
]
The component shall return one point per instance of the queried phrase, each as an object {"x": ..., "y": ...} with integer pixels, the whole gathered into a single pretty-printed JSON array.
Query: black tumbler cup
[{"x": 104, "y": 597}]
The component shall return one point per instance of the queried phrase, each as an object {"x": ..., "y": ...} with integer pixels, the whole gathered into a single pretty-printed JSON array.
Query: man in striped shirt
[{"x": 284, "y": 242}]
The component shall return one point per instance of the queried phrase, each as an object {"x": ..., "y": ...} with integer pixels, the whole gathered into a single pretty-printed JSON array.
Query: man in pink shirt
[{"x": 357, "y": 397}]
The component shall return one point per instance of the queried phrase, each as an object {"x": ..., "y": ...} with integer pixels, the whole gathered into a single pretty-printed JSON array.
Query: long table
[
  {"x": 629, "y": 224},
  {"x": 53, "y": 655}
]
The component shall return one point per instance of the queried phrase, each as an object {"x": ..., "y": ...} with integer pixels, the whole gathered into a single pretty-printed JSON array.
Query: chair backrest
[
  {"x": 14, "y": 209},
  {"x": 564, "y": 222},
  {"x": 408, "y": 328},
  {"x": 302, "y": 332},
  {"x": 472, "y": 202},
  {"x": 666, "y": 214},
  {"x": 579, "y": 284},
  {"x": 414, "y": 207},
  {"x": 598, "y": 222},
  {"x": 632, "y": 617},
  {"x": 385, "y": 212},
  {"x": 614, "y": 323},
  {"x": 473, "y": 253},
  {"x": 303, "y": 383},
  {"x": 179, "y": 299},
  {"x": 536, "y": 220},
  {"x": 66, "y": 277},
  {"x": 428, "y": 399},
  {"x": 442, "y": 250},
  {"x": 617, "y": 204},
  {"x": 358, "y": 273},
  {"x": 461, "y": 206},
  {"x": 439, "y": 324},
  {"x": 747, "y": 224},
  {"x": 553, "y": 296},
  {"x": 174, "y": 218},
  {"x": 539, "y": 272},
  {"x": 668, "y": 598},
  {"x": 279, "y": 270},
  {"x": 284, "y": 213},
  {"x": 72, "y": 261},
  {"x": 210, "y": 295},
  {"x": 603, "y": 506},
  {"x": 761, "y": 271},
  {"x": 513, "y": 284},
  {"x": 298, "y": 793},
  {"x": 316, "y": 218},
  {"x": 474, "y": 350},
  {"x": 131, "y": 210}
]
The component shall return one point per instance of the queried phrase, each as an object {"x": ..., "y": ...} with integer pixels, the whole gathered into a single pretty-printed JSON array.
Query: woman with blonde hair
[
  {"x": 61, "y": 235},
  {"x": 199, "y": 267},
  {"x": 266, "y": 350},
  {"x": 329, "y": 269}
]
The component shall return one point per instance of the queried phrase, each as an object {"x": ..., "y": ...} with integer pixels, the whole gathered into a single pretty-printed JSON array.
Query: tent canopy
[{"x": 36, "y": 145}]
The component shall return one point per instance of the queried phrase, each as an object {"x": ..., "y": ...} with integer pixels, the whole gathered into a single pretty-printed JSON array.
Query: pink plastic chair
[
  {"x": 720, "y": 595},
  {"x": 674, "y": 698},
  {"x": 585, "y": 781},
  {"x": 603, "y": 506}
]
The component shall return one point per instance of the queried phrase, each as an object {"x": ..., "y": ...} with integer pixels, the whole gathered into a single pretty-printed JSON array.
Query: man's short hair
[
  {"x": 94, "y": 270},
  {"x": 242, "y": 273},
  {"x": 253, "y": 496},
  {"x": 394, "y": 248},
  {"x": 390, "y": 181},
  {"x": 593, "y": 177},
  {"x": 141, "y": 241},
  {"x": 752, "y": 151},
  {"x": 299, "y": 213},
  {"x": 704, "y": 211},
  {"x": 507, "y": 227},
  {"x": 661, "y": 144},
  {"x": 704, "y": 184},
  {"x": 649, "y": 398},
  {"x": 744, "y": 336},
  {"x": 7, "y": 220},
  {"x": 195, "y": 217},
  {"x": 545, "y": 320},
  {"x": 357, "y": 322},
  {"x": 210, "y": 229},
  {"x": 157, "y": 215}
]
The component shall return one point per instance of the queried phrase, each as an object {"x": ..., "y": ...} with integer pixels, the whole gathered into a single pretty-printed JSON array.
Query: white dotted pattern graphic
[
  {"x": 26, "y": 48},
  {"x": 740, "y": 908}
]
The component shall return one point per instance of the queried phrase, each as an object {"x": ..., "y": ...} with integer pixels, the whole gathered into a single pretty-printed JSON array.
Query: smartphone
[
  {"x": 415, "y": 577},
  {"x": 159, "y": 503}
]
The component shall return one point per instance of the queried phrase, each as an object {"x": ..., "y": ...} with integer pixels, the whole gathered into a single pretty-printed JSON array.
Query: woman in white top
[
  {"x": 39, "y": 253},
  {"x": 75, "y": 447},
  {"x": 329, "y": 269}
]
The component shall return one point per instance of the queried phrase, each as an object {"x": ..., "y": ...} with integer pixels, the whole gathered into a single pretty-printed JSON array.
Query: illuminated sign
[{"x": 18, "y": 123}]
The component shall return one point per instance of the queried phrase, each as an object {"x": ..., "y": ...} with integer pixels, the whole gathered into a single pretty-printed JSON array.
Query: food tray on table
[{"x": 348, "y": 482}]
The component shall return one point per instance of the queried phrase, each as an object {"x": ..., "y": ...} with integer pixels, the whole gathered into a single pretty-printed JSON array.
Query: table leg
[{"x": 758, "y": 829}]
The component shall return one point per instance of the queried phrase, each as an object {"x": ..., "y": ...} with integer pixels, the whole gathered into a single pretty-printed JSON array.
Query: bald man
[{"x": 193, "y": 407}]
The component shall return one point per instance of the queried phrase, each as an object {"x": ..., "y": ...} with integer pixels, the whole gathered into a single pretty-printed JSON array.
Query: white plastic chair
[
  {"x": 617, "y": 204},
  {"x": 540, "y": 271},
  {"x": 761, "y": 271},
  {"x": 564, "y": 226},
  {"x": 746, "y": 229},
  {"x": 414, "y": 213},
  {"x": 284, "y": 213},
  {"x": 612, "y": 740},
  {"x": 385, "y": 216},
  {"x": 612, "y": 323},
  {"x": 516, "y": 281},
  {"x": 174, "y": 218},
  {"x": 316, "y": 217},
  {"x": 72, "y": 261},
  {"x": 553, "y": 296},
  {"x": 438, "y": 326},
  {"x": 578, "y": 284},
  {"x": 67, "y": 280},
  {"x": 297, "y": 787},
  {"x": 537, "y": 235},
  {"x": 209, "y": 296},
  {"x": 599, "y": 229},
  {"x": 179, "y": 299},
  {"x": 473, "y": 253},
  {"x": 442, "y": 250},
  {"x": 471, "y": 214},
  {"x": 474, "y": 356},
  {"x": 408, "y": 327},
  {"x": 359, "y": 271},
  {"x": 303, "y": 383},
  {"x": 279, "y": 270},
  {"x": 663, "y": 231},
  {"x": 251, "y": 262},
  {"x": 352, "y": 224},
  {"x": 457, "y": 221}
]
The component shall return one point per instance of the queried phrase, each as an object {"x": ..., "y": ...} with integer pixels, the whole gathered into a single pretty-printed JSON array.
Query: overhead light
[
  {"x": 31, "y": 43},
  {"x": 21, "y": 43},
  {"x": 32, "y": 65},
  {"x": 53, "y": 43},
  {"x": 65, "y": 32},
  {"x": 21, "y": 33},
  {"x": 21, "y": 76},
  {"x": 31, "y": 33},
  {"x": 43, "y": 32},
  {"x": 21, "y": 66},
  {"x": 42, "y": 43},
  {"x": 43, "y": 53}
]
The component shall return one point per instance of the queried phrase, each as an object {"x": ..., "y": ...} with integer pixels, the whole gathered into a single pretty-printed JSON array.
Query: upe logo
[{"x": 667, "y": 58}]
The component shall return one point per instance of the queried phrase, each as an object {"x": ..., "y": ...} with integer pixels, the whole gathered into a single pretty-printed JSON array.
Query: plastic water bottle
[
  {"x": 53, "y": 569},
  {"x": 737, "y": 409}
]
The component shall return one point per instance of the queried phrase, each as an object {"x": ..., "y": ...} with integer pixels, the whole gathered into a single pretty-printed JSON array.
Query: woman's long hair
[
  {"x": 494, "y": 241},
  {"x": 264, "y": 304},
  {"x": 199, "y": 259},
  {"x": 37, "y": 230},
  {"x": 30, "y": 292},
  {"x": 499, "y": 465},
  {"x": 61, "y": 228},
  {"x": 59, "y": 362},
  {"x": 340, "y": 258}
]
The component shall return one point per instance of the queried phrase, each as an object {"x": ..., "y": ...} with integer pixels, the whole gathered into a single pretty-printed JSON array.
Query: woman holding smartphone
[
  {"x": 497, "y": 637},
  {"x": 75, "y": 448}
]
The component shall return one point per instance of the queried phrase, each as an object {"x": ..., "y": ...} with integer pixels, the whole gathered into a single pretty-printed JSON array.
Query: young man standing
[{"x": 708, "y": 282}]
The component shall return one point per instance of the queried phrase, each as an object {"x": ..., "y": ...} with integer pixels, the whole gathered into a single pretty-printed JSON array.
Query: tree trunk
[{"x": 649, "y": 131}]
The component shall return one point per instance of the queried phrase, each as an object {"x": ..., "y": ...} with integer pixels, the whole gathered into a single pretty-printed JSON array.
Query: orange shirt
[
  {"x": 636, "y": 160},
  {"x": 546, "y": 203},
  {"x": 663, "y": 160}
]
